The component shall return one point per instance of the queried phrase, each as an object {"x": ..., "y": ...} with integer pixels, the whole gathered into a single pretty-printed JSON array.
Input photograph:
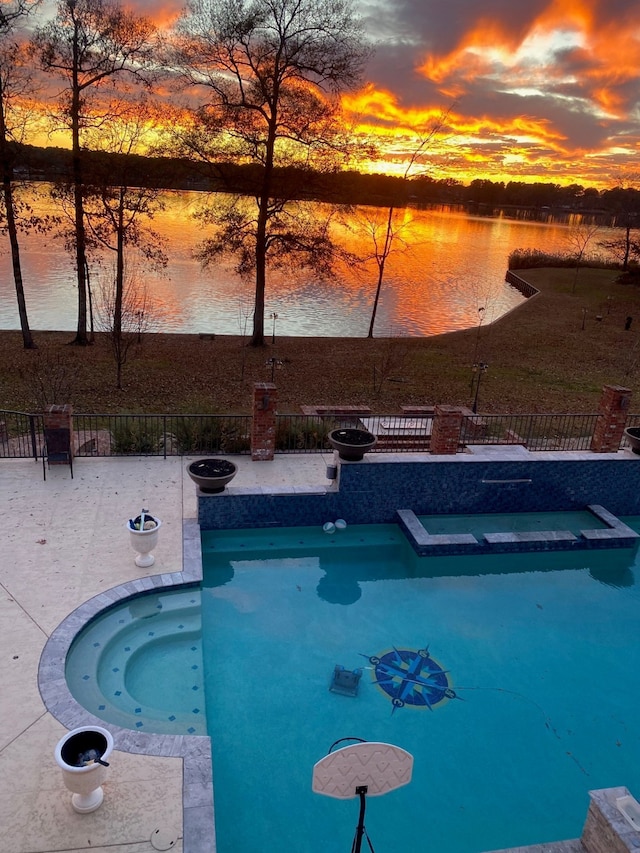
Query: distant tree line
[{"x": 342, "y": 187}]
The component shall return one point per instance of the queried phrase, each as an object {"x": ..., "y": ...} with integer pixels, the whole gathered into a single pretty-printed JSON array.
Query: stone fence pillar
[
  {"x": 445, "y": 433},
  {"x": 263, "y": 427},
  {"x": 612, "y": 418}
]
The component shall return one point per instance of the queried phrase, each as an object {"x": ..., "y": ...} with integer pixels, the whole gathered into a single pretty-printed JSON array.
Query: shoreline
[{"x": 554, "y": 353}]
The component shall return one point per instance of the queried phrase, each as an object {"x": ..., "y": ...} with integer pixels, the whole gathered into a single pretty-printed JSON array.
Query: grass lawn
[{"x": 552, "y": 354}]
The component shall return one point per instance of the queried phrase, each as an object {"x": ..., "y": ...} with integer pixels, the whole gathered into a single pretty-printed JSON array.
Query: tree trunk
[
  {"x": 376, "y": 298},
  {"x": 81, "y": 338},
  {"x": 119, "y": 283},
  {"x": 119, "y": 291},
  {"x": 257, "y": 339},
  {"x": 7, "y": 191},
  {"x": 381, "y": 259},
  {"x": 89, "y": 303},
  {"x": 627, "y": 247}
]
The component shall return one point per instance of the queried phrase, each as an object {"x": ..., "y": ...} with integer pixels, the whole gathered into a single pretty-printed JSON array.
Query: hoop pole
[{"x": 357, "y": 843}]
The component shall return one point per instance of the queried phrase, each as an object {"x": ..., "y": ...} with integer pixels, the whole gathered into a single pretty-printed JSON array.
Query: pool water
[
  {"x": 510, "y": 678},
  {"x": 139, "y": 665},
  {"x": 541, "y": 653},
  {"x": 519, "y": 522}
]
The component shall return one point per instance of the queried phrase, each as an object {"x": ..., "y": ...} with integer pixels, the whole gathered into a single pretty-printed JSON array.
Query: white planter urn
[
  {"x": 143, "y": 532},
  {"x": 82, "y": 756}
]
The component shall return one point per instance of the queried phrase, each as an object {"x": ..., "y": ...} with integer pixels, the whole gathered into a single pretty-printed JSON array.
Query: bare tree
[
  {"x": 51, "y": 377},
  {"x": 118, "y": 205},
  {"x": 624, "y": 200},
  {"x": 90, "y": 44},
  {"x": 386, "y": 236},
  {"x": 579, "y": 237},
  {"x": 390, "y": 357},
  {"x": 135, "y": 316},
  {"x": 15, "y": 80},
  {"x": 269, "y": 72}
]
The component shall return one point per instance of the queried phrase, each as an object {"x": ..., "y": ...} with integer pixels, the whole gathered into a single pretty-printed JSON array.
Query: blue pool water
[
  {"x": 540, "y": 654},
  {"x": 140, "y": 665},
  {"x": 520, "y": 522}
]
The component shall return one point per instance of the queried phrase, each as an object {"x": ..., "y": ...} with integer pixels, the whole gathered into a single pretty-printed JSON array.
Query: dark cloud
[
  {"x": 439, "y": 25},
  {"x": 577, "y": 87},
  {"x": 394, "y": 67}
]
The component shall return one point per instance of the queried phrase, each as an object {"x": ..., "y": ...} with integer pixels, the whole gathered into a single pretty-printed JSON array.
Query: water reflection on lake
[{"x": 453, "y": 264}]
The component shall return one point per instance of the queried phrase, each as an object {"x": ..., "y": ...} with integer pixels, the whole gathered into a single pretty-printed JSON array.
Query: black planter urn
[
  {"x": 212, "y": 475},
  {"x": 351, "y": 443}
]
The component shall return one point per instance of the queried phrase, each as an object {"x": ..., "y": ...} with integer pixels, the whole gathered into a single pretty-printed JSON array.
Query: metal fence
[
  {"x": 161, "y": 435},
  {"x": 22, "y": 434},
  {"x": 535, "y": 432},
  {"x": 394, "y": 433},
  {"x": 306, "y": 433}
]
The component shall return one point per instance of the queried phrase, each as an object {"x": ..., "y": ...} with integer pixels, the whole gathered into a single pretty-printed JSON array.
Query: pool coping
[
  {"x": 616, "y": 534},
  {"x": 195, "y": 750}
]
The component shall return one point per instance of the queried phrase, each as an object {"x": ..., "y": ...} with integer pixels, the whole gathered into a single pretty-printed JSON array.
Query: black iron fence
[
  {"x": 394, "y": 433},
  {"x": 306, "y": 433},
  {"x": 22, "y": 434},
  {"x": 535, "y": 432}
]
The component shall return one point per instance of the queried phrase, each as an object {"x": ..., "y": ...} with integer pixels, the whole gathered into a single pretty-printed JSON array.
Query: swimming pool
[{"x": 539, "y": 653}]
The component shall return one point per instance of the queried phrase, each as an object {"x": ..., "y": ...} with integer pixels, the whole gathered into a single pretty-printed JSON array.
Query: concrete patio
[{"x": 64, "y": 542}]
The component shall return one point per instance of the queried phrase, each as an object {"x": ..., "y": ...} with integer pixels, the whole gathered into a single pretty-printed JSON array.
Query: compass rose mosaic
[{"x": 410, "y": 677}]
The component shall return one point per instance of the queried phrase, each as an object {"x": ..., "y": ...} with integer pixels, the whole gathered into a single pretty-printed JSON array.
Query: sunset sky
[
  {"x": 542, "y": 89},
  {"x": 532, "y": 89}
]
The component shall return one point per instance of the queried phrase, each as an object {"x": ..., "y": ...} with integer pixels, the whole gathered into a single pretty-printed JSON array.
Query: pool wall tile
[{"x": 371, "y": 491}]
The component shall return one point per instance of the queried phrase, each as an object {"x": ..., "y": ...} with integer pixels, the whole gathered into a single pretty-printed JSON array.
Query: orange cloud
[
  {"x": 378, "y": 113},
  {"x": 534, "y": 93},
  {"x": 382, "y": 107}
]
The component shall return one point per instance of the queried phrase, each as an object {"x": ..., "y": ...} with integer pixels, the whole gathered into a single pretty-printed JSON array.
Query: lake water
[{"x": 452, "y": 264}]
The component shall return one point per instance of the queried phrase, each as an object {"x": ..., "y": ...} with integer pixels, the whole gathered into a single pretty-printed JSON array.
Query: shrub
[
  {"x": 527, "y": 259},
  {"x": 533, "y": 258},
  {"x": 211, "y": 434},
  {"x": 137, "y": 437},
  {"x": 302, "y": 434}
]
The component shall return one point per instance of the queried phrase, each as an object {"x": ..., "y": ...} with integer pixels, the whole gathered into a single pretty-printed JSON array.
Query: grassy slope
[{"x": 540, "y": 360}]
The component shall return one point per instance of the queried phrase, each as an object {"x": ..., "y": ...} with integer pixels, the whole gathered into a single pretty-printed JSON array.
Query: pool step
[{"x": 135, "y": 638}]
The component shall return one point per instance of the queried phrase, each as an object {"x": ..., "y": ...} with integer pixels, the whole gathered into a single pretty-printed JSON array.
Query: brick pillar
[
  {"x": 58, "y": 417},
  {"x": 447, "y": 425},
  {"x": 263, "y": 428},
  {"x": 612, "y": 418}
]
